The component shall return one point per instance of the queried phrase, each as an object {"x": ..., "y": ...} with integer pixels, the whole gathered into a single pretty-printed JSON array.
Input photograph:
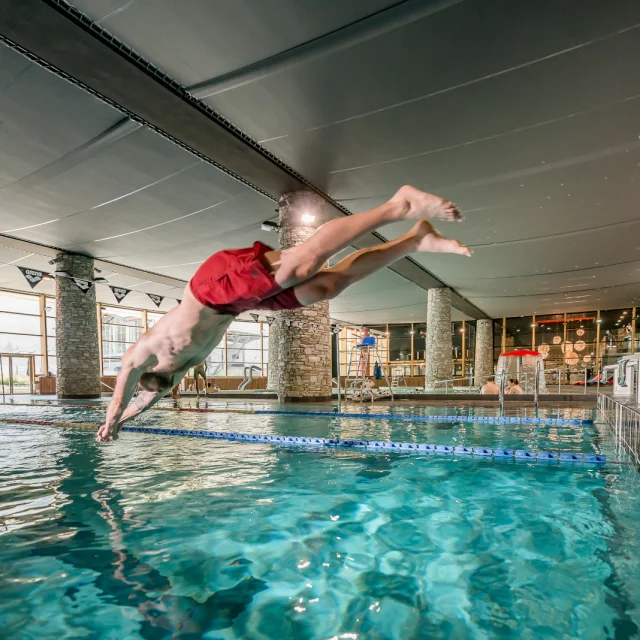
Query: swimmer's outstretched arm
[
  {"x": 133, "y": 365},
  {"x": 143, "y": 401}
]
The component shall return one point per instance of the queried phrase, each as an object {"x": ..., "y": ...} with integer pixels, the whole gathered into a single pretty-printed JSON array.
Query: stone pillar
[
  {"x": 439, "y": 361},
  {"x": 77, "y": 352},
  {"x": 484, "y": 351},
  {"x": 274, "y": 357},
  {"x": 299, "y": 353}
]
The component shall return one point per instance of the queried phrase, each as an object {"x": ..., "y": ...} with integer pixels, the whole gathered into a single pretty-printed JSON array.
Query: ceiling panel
[
  {"x": 195, "y": 40},
  {"x": 524, "y": 114}
]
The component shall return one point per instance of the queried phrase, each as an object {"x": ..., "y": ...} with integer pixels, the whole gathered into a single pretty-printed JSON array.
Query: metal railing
[
  {"x": 624, "y": 422},
  {"x": 528, "y": 381}
]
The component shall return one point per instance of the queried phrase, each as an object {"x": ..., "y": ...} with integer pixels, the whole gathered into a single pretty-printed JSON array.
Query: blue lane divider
[
  {"x": 411, "y": 447},
  {"x": 417, "y": 417}
]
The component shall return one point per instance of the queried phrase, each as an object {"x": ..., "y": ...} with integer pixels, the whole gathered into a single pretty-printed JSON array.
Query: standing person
[
  {"x": 258, "y": 277},
  {"x": 200, "y": 371}
]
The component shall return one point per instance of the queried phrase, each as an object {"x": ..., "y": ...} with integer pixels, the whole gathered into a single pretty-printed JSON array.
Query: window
[
  {"x": 580, "y": 348},
  {"x": 550, "y": 339},
  {"x": 152, "y": 318},
  {"x": 419, "y": 341},
  {"x": 615, "y": 334},
  {"x": 519, "y": 333},
  {"x": 19, "y": 303},
  {"x": 244, "y": 346},
  {"x": 121, "y": 328},
  {"x": 399, "y": 342},
  {"x": 497, "y": 339},
  {"x": 17, "y": 323},
  {"x": 20, "y": 328}
]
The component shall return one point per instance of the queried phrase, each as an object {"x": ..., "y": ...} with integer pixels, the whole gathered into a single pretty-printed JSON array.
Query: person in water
[{"x": 237, "y": 280}]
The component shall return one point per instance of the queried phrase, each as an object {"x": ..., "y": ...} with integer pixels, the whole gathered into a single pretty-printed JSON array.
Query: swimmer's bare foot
[
  {"x": 429, "y": 240},
  {"x": 419, "y": 205},
  {"x": 105, "y": 434}
]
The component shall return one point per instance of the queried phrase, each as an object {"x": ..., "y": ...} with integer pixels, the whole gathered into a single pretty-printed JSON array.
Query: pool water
[{"x": 166, "y": 537}]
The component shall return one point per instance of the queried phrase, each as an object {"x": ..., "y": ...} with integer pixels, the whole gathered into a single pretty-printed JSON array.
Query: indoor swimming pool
[{"x": 157, "y": 536}]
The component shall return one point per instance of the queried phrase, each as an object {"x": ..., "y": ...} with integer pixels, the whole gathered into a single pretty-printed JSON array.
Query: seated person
[
  {"x": 513, "y": 386},
  {"x": 490, "y": 388}
]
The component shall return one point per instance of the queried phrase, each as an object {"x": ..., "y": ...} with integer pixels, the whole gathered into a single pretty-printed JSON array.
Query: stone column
[
  {"x": 274, "y": 357},
  {"x": 439, "y": 361},
  {"x": 77, "y": 352},
  {"x": 484, "y": 351},
  {"x": 299, "y": 353}
]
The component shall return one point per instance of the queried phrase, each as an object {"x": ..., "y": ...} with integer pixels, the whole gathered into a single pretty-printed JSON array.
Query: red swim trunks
[{"x": 238, "y": 280}]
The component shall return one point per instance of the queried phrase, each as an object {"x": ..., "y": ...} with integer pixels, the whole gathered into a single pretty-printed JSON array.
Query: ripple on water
[{"x": 223, "y": 540}]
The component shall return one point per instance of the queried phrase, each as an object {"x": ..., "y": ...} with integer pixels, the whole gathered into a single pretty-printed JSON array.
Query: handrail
[
  {"x": 624, "y": 422},
  {"x": 528, "y": 384},
  {"x": 248, "y": 377}
]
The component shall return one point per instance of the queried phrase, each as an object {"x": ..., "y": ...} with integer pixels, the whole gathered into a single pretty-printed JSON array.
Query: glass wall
[
  {"x": 573, "y": 340},
  {"x": 349, "y": 337},
  {"x": 498, "y": 328},
  {"x": 121, "y": 328},
  {"x": 470, "y": 347},
  {"x": 581, "y": 341},
  {"x": 550, "y": 339},
  {"x": 28, "y": 327},
  {"x": 615, "y": 334},
  {"x": 244, "y": 348},
  {"x": 21, "y": 327}
]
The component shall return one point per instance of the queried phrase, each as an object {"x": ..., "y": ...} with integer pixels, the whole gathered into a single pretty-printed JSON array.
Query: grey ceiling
[{"x": 525, "y": 113}]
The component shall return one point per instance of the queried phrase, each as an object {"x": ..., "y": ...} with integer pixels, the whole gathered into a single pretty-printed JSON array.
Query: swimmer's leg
[
  {"x": 299, "y": 263},
  {"x": 328, "y": 283}
]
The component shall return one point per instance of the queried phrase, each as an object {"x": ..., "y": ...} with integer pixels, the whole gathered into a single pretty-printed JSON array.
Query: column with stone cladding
[
  {"x": 484, "y": 351},
  {"x": 438, "y": 350},
  {"x": 300, "y": 339},
  {"x": 77, "y": 353}
]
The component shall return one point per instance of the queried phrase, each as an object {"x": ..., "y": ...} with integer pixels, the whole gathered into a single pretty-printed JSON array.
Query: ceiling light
[
  {"x": 533, "y": 325},
  {"x": 307, "y": 217},
  {"x": 598, "y": 320},
  {"x": 268, "y": 225}
]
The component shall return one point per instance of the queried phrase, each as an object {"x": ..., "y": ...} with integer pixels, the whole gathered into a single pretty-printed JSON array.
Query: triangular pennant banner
[
  {"x": 178, "y": 301},
  {"x": 271, "y": 320},
  {"x": 157, "y": 300},
  {"x": 32, "y": 276},
  {"x": 255, "y": 316},
  {"x": 83, "y": 285},
  {"x": 119, "y": 293}
]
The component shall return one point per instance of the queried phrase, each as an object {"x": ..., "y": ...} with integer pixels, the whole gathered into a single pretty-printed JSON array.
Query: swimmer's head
[
  {"x": 155, "y": 382},
  {"x": 491, "y": 379}
]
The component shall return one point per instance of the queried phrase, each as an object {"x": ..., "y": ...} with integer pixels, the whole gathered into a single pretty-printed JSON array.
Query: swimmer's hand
[{"x": 106, "y": 433}]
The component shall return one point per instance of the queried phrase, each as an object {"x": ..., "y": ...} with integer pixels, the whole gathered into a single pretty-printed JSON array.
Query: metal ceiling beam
[{"x": 66, "y": 42}]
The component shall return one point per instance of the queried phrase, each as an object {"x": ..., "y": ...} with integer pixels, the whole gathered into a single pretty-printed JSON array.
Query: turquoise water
[{"x": 166, "y": 537}]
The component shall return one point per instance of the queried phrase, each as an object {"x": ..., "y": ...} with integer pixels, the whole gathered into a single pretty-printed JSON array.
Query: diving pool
[{"x": 158, "y": 536}]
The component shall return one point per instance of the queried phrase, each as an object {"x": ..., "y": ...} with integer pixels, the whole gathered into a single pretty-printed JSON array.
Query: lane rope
[
  {"x": 405, "y": 417},
  {"x": 376, "y": 445}
]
